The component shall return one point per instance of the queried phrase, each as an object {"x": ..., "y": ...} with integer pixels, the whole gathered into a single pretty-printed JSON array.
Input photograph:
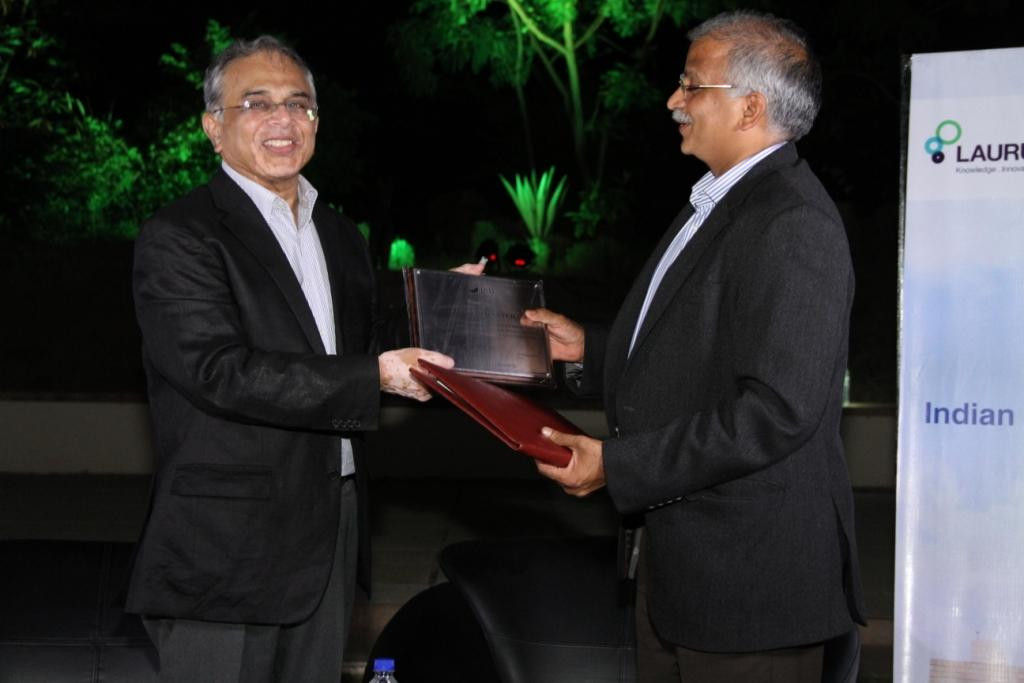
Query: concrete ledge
[
  {"x": 95, "y": 437},
  {"x": 869, "y": 441},
  {"x": 113, "y": 437}
]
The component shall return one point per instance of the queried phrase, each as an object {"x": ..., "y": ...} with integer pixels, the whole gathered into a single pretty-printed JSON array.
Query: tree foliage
[
  {"x": 592, "y": 53},
  {"x": 73, "y": 174}
]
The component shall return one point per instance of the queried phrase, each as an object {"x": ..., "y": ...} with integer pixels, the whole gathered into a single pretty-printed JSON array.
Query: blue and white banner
[{"x": 960, "y": 486}]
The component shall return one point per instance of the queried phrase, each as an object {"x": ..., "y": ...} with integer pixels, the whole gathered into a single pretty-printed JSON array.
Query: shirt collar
[
  {"x": 267, "y": 202},
  {"x": 710, "y": 189}
]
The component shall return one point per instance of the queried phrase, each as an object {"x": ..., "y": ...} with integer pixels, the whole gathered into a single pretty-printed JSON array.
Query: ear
[
  {"x": 212, "y": 127},
  {"x": 754, "y": 112}
]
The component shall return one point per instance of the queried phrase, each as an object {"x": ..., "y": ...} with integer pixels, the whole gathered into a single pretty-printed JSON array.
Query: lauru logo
[
  {"x": 933, "y": 145},
  {"x": 973, "y": 158}
]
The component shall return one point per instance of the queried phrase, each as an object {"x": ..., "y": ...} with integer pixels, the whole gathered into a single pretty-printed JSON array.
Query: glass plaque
[{"x": 475, "y": 320}]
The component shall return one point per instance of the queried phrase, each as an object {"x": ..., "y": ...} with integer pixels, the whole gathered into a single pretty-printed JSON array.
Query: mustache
[{"x": 679, "y": 116}]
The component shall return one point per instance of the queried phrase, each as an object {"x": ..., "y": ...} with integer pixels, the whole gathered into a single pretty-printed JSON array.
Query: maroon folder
[{"x": 514, "y": 419}]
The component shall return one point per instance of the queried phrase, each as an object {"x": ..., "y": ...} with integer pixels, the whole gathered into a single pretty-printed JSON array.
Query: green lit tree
[
  {"x": 180, "y": 157},
  {"x": 73, "y": 174},
  {"x": 29, "y": 112},
  {"x": 592, "y": 53}
]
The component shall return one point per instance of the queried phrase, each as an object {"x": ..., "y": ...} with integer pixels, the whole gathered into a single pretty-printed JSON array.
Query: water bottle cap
[{"x": 383, "y": 665}]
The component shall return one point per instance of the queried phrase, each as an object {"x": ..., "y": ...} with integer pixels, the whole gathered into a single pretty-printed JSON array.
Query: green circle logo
[
  {"x": 933, "y": 145},
  {"x": 944, "y": 124}
]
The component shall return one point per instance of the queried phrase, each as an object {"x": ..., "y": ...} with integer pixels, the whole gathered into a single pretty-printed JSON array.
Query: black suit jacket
[
  {"x": 725, "y": 419},
  {"x": 247, "y": 410}
]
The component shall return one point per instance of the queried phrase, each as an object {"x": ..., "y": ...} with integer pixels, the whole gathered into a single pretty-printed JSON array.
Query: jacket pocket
[{"x": 223, "y": 481}]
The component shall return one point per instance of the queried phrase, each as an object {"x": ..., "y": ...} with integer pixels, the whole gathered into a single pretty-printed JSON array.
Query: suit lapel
[
  {"x": 678, "y": 274},
  {"x": 334, "y": 256},
  {"x": 680, "y": 271},
  {"x": 625, "y": 321},
  {"x": 244, "y": 221}
]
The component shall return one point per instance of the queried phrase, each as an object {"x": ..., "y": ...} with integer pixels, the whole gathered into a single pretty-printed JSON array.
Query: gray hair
[
  {"x": 771, "y": 56},
  {"x": 213, "y": 82}
]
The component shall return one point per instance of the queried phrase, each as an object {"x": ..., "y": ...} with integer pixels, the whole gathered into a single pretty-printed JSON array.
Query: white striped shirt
[
  {"x": 300, "y": 243},
  {"x": 706, "y": 193}
]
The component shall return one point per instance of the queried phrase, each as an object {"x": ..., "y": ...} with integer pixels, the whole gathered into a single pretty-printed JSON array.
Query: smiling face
[
  {"x": 269, "y": 148},
  {"x": 709, "y": 120}
]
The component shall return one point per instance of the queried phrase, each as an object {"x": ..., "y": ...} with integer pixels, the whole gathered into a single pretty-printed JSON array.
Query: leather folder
[{"x": 513, "y": 418}]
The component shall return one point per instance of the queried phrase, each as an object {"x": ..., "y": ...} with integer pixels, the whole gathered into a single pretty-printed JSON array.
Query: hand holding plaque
[{"x": 475, "y": 319}]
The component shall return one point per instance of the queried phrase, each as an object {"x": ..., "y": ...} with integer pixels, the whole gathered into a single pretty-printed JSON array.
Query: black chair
[
  {"x": 517, "y": 611},
  {"x": 842, "y": 658},
  {"x": 435, "y": 637},
  {"x": 60, "y": 617},
  {"x": 548, "y": 610}
]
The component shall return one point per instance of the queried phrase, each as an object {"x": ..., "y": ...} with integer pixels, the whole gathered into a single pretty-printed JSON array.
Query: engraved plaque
[{"x": 475, "y": 320}]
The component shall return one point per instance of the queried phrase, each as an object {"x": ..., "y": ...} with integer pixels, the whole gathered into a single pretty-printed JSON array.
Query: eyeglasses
[
  {"x": 263, "y": 107},
  {"x": 689, "y": 89}
]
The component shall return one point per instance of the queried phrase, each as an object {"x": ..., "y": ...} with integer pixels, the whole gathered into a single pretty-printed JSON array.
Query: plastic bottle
[{"x": 384, "y": 671}]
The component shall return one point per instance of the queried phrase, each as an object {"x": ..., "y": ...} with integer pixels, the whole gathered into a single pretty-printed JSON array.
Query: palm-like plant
[{"x": 537, "y": 200}]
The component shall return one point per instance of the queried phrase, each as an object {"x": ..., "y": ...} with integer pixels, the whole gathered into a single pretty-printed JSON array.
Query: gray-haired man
[
  {"x": 256, "y": 305},
  {"x": 722, "y": 379}
]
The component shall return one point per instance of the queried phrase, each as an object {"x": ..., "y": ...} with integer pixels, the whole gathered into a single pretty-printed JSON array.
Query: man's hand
[
  {"x": 585, "y": 472},
  {"x": 566, "y": 336},
  {"x": 471, "y": 268},
  {"x": 394, "y": 371}
]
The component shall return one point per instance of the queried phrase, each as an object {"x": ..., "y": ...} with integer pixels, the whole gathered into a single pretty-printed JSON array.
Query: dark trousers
[
  {"x": 659, "y": 661},
  {"x": 208, "y": 652}
]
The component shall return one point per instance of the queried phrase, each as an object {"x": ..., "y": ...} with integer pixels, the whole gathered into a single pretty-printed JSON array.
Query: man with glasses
[
  {"x": 722, "y": 378},
  {"x": 256, "y": 305}
]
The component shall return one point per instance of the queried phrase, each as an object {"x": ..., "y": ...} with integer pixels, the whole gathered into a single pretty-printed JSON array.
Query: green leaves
[
  {"x": 568, "y": 42},
  {"x": 218, "y": 37},
  {"x": 624, "y": 88},
  {"x": 191, "y": 67},
  {"x": 554, "y": 13},
  {"x": 536, "y": 200},
  {"x": 628, "y": 17},
  {"x": 74, "y": 175}
]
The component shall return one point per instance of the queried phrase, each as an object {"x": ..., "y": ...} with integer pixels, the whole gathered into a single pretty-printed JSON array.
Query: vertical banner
[{"x": 960, "y": 487}]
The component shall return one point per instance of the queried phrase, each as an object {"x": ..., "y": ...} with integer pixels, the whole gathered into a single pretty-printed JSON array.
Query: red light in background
[{"x": 519, "y": 262}]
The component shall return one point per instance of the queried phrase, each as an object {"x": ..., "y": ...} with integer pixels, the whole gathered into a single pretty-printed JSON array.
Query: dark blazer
[
  {"x": 247, "y": 410},
  {"x": 725, "y": 420}
]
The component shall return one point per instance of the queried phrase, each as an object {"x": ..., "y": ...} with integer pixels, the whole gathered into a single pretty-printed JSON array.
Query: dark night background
[{"x": 425, "y": 167}]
